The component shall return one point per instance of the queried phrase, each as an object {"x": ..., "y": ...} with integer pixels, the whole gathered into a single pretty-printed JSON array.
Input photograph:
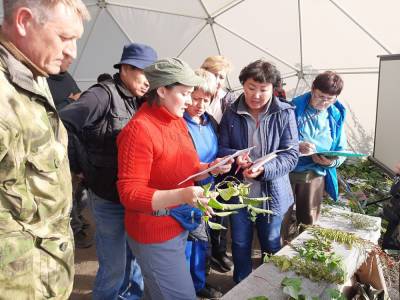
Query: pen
[{"x": 245, "y": 156}]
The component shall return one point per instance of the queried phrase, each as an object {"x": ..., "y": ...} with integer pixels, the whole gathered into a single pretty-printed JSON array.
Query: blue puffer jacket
[
  {"x": 337, "y": 114},
  {"x": 279, "y": 132}
]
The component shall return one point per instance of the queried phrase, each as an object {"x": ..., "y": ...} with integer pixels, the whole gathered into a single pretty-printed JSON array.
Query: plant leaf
[
  {"x": 259, "y": 210},
  {"x": 225, "y": 213},
  {"x": 335, "y": 294},
  {"x": 201, "y": 207},
  {"x": 233, "y": 206},
  {"x": 286, "y": 265},
  {"x": 258, "y": 298},
  {"x": 256, "y": 199},
  {"x": 291, "y": 287},
  {"x": 206, "y": 189},
  {"x": 214, "y": 203},
  {"x": 228, "y": 193},
  {"x": 244, "y": 189},
  {"x": 215, "y": 226}
]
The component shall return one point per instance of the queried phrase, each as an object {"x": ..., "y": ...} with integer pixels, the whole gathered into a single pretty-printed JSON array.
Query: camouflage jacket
[{"x": 36, "y": 243}]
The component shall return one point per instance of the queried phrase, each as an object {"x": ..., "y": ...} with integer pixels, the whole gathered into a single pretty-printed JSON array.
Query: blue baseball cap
[{"x": 137, "y": 55}]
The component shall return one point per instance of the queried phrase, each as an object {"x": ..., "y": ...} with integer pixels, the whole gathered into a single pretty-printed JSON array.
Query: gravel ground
[{"x": 392, "y": 276}]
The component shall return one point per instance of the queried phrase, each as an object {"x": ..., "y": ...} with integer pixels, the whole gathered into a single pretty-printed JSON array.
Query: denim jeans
[
  {"x": 268, "y": 230},
  {"x": 119, "y": 276}
]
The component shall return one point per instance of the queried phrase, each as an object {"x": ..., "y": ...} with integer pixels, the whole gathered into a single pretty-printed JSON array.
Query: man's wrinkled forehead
[
  {"x": 9, "y": 6},
  {"x": 65, "y": 20}
]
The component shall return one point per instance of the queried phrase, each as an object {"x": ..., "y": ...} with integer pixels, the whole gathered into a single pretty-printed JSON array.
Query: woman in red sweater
[{"x": 155, "y": 153}]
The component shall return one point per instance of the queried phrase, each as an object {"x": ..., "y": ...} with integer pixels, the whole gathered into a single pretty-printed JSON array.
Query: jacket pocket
[
  {"x": 57, "y": 264},
  {"x": 118, "y": 121},
  {"x": 44, "y": 164},
  {"x": 41, "y": 170},
  {"x": 42, "y": 181}
]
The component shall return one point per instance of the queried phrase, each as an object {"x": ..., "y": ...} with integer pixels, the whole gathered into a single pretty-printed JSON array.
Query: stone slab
[{"x": 266, "y": 279}]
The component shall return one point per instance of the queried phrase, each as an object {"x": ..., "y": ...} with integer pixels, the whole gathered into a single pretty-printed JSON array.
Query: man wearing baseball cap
[{"x": 93, "y": 123}]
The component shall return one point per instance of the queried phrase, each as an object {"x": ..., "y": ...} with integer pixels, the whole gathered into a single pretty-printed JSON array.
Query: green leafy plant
[
  {"x": 359, "y": 221},
  {"x": 314, "y": 270},
  {"x": 346, "y": 238},
  {"x": 319, "y": 249},
  {"x": 335, "y": 294},
  {"x": 226, "y": 189},
  {"x": 367, "y": 183},
  {"x": 315, "y": 259},
  {"x": 292, "y": 288}
]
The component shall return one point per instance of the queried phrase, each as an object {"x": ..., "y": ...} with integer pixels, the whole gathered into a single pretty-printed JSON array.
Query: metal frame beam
[{"x": 361, "y": 27}]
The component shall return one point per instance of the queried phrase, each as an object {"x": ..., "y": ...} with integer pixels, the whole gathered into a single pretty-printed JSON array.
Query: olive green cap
[{"x": 167, "y": 71}]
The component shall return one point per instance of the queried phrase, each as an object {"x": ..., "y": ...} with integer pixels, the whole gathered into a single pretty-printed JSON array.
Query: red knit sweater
[{"x": 155, "y": 152}]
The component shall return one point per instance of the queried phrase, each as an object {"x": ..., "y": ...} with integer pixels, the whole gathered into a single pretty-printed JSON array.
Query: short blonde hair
[
  {"x": 41, "y": 8},
  {"x": 209, "y": 84},
  {"x": 216, "y": 63}
]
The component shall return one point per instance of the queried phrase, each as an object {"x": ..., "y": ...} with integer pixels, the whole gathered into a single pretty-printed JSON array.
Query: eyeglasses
[{"x": 324, "y": 99}]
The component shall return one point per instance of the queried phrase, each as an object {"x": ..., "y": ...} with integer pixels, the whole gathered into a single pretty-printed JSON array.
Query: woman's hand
[
  {"x": 397, "y": 168},
  {"x": 248, "y": 173},
  {"x": 322, "y": 160},
  {"x": 221, "y": 169},
  {"x": 194, "y": 195},
  {"x": 306, "y": 148},
  {"x": 243, "y": 161}
]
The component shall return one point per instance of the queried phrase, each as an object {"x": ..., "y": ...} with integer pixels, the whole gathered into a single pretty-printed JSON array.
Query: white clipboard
[
  {"x": 258, "y": 163},
  {"x": 221, "y": 163}
]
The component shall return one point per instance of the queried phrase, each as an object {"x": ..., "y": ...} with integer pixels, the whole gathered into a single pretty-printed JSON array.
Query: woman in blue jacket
[
  {"x": 259, "y": 119},
  {"x": 203, "y": 131},
  {"x": 320, "y": 120}
]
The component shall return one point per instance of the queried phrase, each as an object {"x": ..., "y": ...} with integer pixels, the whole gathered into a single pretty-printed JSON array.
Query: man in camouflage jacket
[{"x": 36, "y": 244}]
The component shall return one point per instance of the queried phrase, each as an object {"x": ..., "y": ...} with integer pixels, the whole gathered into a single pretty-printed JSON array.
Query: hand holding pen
[
  {"x": 307, "y": 148},
  {"x": 243, "y": 161}
]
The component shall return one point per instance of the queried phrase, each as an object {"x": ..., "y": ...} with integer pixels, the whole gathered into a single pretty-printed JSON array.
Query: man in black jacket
[
  {"x": 93, "y": 123},
  {"x": 64, "y": 91},
  {"x": 62, "y": 86}
]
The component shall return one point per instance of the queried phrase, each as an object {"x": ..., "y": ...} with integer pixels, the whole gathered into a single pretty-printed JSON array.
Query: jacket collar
[
  {"x": 17, "y": 55},
  {"x": 205, "y": 116},
  {"x": 20, "y": 70},
  {"x": 337, "y": 110},
  {"x": 160, "y": 113},
  {"x": 121, "y": 86},
  {"x": 275, "y": 105}
]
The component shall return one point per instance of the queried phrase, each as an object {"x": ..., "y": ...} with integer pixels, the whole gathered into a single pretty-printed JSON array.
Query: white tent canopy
[{"x": 302, "y": 38}]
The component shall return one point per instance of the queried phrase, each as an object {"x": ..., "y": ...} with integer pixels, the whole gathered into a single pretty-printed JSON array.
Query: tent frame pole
[
  {"x": 361, "y": 27},
  {"x": 258, "y": 47},
  {"x": 99, "y": 11},
  {"x": 115, "y": 3}
]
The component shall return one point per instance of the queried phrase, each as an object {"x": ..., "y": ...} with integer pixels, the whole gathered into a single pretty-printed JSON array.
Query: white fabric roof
[{"x": 301, "y": 37}]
